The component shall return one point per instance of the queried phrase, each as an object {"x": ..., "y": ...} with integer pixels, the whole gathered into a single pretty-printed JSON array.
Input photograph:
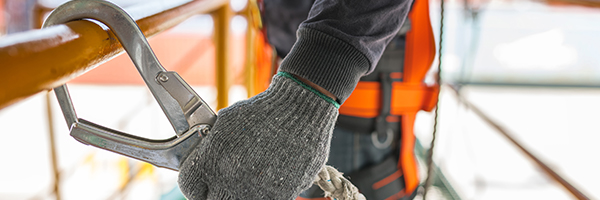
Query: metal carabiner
[{"x": 189, "y": 115}]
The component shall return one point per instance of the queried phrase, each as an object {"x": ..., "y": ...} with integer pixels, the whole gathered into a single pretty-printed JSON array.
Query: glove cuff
[
  {"x": 309, "y": 88},
  {"x": 326, "y": 61}
]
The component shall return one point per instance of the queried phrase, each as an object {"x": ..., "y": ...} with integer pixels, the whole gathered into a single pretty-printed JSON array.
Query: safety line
[{"x": 437, "y": 108}]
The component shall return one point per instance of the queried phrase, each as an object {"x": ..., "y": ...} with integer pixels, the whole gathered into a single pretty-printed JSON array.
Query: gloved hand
[{"x": 270, "y": 146}]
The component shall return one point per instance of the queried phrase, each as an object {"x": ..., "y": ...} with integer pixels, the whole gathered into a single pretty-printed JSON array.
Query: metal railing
[
  {"x": 42, "y": 59},
  {"x": 546, "y": 169}
]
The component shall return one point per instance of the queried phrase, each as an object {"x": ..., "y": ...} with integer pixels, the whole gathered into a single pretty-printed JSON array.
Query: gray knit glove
[{"x": 270, "y": 146}]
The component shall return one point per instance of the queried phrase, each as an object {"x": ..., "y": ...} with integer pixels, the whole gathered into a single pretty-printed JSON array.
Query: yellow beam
[
  {"x": 222, "y": 19},
  {"x": 250, "y": 68},
  {"x": 39, "y": 60}
]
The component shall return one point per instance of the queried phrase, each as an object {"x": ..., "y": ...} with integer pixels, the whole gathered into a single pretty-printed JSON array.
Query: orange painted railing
[{"x": 39, "y": 60}]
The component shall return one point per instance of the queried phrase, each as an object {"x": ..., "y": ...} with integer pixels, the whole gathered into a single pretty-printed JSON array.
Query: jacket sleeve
[{"x": 342, "y": 40}]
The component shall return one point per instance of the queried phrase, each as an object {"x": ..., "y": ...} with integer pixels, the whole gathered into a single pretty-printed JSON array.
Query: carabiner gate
[{"x": 189, "y": 115}]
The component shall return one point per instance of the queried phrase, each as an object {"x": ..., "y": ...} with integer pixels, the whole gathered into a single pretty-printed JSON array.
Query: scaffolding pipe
[
  {"x": 53, "y": 154},
  {"x": 578, "y": 194},
  {"x": 250, "y": 59},
  {"x": 222, "y": 18},
  {"x": 39, "y": 60}
]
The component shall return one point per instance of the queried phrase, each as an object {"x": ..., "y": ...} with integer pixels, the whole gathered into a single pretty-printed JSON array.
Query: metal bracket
[{"x": 189, "y": 115}]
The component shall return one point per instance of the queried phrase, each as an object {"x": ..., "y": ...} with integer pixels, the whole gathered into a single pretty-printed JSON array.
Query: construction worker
[
  {"x": 367, "y": 139},
  {"x": 272, "y": 145}
]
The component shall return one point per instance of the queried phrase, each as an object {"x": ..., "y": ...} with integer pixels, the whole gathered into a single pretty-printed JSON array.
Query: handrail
[
  {"x": 39, "y": 60},
  {"x": 578, "y": 194}
]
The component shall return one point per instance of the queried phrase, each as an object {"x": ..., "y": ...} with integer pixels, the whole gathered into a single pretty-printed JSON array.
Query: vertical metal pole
[
  {"x": 222, "y": 18},
  {"x": 53, "y": 157},
  {"x": 250, "y": 50}
]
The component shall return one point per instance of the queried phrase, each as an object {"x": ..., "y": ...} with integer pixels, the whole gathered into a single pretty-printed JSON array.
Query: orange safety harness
[
  {"x": 263, "y": 61},
  {"x": 407, "y": 96}
]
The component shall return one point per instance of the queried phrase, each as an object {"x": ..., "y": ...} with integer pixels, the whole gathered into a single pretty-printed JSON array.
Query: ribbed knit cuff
[
  {"x": 308, "y": 87},
  {"x": 329, "y": 62}
]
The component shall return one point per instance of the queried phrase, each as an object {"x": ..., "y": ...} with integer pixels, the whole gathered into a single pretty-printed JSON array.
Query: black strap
[{"x": 386, "y": 102}]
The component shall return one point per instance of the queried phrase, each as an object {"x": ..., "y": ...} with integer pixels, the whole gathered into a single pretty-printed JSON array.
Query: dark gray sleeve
[
  {"x": 342, "y": 40},
  {"x": 282, "y": 18}
]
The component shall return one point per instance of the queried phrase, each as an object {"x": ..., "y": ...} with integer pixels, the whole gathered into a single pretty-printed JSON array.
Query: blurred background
[{"x": 531, "y": 66}]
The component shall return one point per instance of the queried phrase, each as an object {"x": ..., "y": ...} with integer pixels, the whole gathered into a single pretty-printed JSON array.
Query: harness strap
[
  {"x": 420, "y": 52},
  {"x": 367, "y": 99},
  {"x": 386, "y": 100}
]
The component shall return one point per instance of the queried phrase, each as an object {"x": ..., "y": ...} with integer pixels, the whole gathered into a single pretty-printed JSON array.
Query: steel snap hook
[{"x": 189, "y": 115}]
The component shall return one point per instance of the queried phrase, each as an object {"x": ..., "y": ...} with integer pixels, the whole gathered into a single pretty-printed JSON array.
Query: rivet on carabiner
[{"x": 163, "y": 78}]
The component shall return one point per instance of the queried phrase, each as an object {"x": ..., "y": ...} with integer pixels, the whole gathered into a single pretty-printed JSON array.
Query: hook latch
[{"x": 189, "y": 115}]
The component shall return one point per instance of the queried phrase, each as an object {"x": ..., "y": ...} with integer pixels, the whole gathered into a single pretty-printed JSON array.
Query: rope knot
[{"x": 337, "y": 186}]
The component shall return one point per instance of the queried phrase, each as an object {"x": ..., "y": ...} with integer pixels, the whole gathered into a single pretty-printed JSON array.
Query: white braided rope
[{"x": 337, "y": 186}]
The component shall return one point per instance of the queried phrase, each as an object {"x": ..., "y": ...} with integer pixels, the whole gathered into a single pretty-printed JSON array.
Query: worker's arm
[
  {"x": 272, "y": 145},
  {"x": 342, "y": 41}
]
